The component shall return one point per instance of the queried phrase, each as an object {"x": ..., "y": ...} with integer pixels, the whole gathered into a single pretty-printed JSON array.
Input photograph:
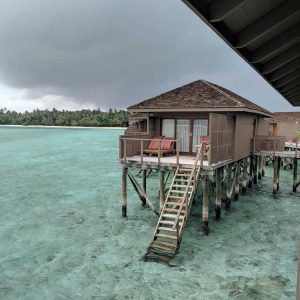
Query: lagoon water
[{"x": 62, "y": 236}]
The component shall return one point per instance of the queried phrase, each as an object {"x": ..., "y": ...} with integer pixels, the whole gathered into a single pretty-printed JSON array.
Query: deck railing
[
  {"x": 268, "y": 143},
  {"x": 136, "y": 146}
]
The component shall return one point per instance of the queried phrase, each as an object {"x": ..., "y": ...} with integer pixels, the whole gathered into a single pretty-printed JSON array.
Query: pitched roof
[
  {"x": 200, "y": 95},
  {"x": 287, "y": 116}
]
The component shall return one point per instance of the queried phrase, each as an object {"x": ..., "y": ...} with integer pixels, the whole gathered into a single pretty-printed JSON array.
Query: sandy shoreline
[{"x": 62, "y": 127}]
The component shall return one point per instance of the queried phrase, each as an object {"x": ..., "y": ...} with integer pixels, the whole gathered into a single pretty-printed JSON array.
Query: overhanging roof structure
[{"x": 266, "y": 33}]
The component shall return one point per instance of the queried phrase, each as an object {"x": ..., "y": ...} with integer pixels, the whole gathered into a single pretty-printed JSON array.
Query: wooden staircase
[{"x": 175, "y": 212}]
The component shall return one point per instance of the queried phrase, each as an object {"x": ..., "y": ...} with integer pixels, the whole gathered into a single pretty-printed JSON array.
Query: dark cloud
[{"x": 115, "y": 53}]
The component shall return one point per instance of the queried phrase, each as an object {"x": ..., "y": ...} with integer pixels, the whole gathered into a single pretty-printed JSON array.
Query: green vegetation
[{"x": 88, "y": 118}]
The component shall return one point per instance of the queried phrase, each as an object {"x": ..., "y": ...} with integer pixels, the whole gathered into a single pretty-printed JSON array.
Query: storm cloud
[{"x": 104, "y": 53}]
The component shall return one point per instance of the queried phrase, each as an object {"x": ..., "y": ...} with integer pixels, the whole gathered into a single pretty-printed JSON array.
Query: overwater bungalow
[
  {"x": 198, "y": 133},
  {"x": 286, "y": 124}
]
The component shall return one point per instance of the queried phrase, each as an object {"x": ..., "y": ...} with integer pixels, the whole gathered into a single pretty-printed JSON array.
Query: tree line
[{"x": 54, "y": 117}]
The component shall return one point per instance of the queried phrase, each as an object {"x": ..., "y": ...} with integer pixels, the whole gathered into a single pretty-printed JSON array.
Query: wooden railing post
[
  {"x": 159, "y": 147},
  {"x": 177, "y": 153},
  {"x": 125, "y": 150},
  {"x": 142, "y": 151}
]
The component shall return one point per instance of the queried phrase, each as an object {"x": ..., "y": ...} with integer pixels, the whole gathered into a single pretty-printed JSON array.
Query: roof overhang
[
  {"x": 202, "y": 110},
  {"x": 264, "y": 33}
]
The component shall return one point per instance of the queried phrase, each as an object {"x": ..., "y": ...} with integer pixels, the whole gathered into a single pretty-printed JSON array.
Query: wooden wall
[
  {"x": 244, "y": 129},
  {"x": 221, "y": 131}
]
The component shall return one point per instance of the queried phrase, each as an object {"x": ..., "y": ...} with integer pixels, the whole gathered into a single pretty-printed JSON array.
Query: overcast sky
[{"x": 102, "y": 53}]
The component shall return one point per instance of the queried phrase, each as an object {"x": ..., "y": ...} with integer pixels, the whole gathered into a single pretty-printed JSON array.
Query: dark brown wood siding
[
  {"x": 221, "y": 131},
  {"x": 243, "y": 135}
]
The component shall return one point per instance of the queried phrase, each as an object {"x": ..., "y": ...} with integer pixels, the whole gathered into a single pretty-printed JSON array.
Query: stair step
[
  {"x": 179, "y": 191},
  {"x": 173, "y": 210},
  {"x": 183, "y": 174},
  {"x": 182, "y": 180},
  {"x": 166, "y": 222},
  {"x": 181, "y": 185},
  {"x": 166, "y": 244},
  {"x": 175, "y": 203},
  {"x": 185, "y": 170},
  {"x": 175, "y": 197},
  {"x": 166, "y": 229},
  {"x": 166, "y": 236},
  {"x": 172, "y": 216}
]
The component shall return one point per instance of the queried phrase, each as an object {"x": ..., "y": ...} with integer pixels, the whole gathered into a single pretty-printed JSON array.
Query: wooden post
[
  {"x": 205, "y": 205},
  {"x": 295, "y": 170},
  {"x": 278, "y": 172},
  {"x": 228, "y": 186},
  {"x": 159, "y": 152},
  {"x": 263, "y": 166},
  {"x": 250, "y": 182},
  {"x": 237, "y": 182},
  {"x": 144, "y": 179},
  {"x": 218, "y": 202},
  {"x": 260, "y": 167},
  {"x": 275, "y": 175},
  {"x": 245, "y": 176},
  {"x": 255, "y": 169},
  {"x": 142, "y": 151},
  {"x": 125, "y": 150},
  {"x": 177, "y": 153},
  {"x": 161, "y": 189},
  {"x": 124, "y": 192}
]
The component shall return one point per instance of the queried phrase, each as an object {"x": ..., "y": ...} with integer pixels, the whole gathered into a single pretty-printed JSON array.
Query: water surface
[{"x": 62, "y": 236}]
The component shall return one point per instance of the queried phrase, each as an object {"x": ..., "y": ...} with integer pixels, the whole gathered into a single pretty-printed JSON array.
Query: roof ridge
[{"x": 224, "y": 93}]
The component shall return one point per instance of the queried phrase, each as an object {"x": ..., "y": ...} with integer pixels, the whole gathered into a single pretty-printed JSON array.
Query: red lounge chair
[{"x": 165, "y": 146}]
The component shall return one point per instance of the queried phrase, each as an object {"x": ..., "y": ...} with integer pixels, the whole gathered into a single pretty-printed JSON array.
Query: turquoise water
[{"x": 62, "y": 236}]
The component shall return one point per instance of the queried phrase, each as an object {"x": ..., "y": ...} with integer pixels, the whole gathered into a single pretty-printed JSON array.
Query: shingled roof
[
  {"x": 200, "y": 95},
  {"x": 287, "y": 116}
]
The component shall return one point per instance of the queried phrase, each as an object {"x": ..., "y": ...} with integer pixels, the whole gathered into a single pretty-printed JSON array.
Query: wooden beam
[
  {"x": 270, "y": 21},
  {"x": 284, "y": 70},
  {"x": 287, "y": 79},
  {"x": 292, "y": 91},
  {"x": 289, "y": 86},
  {"x": 281, "y": 60},
  {"x": 292, "y": 94},
  {"x": 278, "y": 44},
  {"x": 219, "y": 9},
  {"x": 161, "y": 189},
  {"x": 141, "y": 193},
  {"x": 124, "y": 192},
  {"x": 205, "y": 207},
  {"x": 294, "y": 98},
  {"x": 218, "y": 202},
  {"x": 295, "y": 173}
]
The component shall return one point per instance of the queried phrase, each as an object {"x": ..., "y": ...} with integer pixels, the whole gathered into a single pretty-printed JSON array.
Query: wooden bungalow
[
  {"x": 199, "y": 132},
  {"x": 286, "y": 124}
]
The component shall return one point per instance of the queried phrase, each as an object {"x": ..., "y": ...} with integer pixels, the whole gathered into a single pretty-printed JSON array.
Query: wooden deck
[
  {"x": 282, "y": 154},
  {"x": 169, "y": 162}
]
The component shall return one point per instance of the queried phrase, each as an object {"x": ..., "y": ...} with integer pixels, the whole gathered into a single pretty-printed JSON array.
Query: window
[{"x": 168, "y": 127}]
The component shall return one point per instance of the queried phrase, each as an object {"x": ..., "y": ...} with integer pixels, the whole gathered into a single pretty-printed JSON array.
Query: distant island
[{"x": 54, "y": 117}]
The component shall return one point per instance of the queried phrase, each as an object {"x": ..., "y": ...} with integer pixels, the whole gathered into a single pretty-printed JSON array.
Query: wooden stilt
[
  {"x": 144, "y": 178},
  {"x": 295, "y": 170},
  {"x": 278, "y": 172},
  {"x": 260, "y": 167},
  {"x": 228, "y": 186},
  {"x": 205, "y": 205},
  {"x": 218, "y": 194},
  {"x": 124, "y": 192},
  {"x": 143, "y": 196},
  {"x": 161, "y": 189},
  {"x": 250, "y": 182},
  {"x": 245, "y": 176},
  {"x": 263, "y": 166},
  {"x": 255, "y": 169},
  {"x": 275, "y": 175},
  {"x": 237, "y": 182}
]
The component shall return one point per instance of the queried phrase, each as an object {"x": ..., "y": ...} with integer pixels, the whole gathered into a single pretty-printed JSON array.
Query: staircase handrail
[{"x": 199, "y": 153}]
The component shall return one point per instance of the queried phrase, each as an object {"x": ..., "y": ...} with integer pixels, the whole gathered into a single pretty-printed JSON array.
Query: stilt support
[
  {"x": 161, "y": 189},
  {"x": 250, "y": 182},
  {"x": 245, "y": 176},
  {"x": 124, "y": 192},
  {"x": 295, "y": 170},
  {"x": 228, "y": 187},
  {"x": 237, "y": 182},
  {"x": 218, "y": 194},
  {"x": 205, "y": 205}
]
